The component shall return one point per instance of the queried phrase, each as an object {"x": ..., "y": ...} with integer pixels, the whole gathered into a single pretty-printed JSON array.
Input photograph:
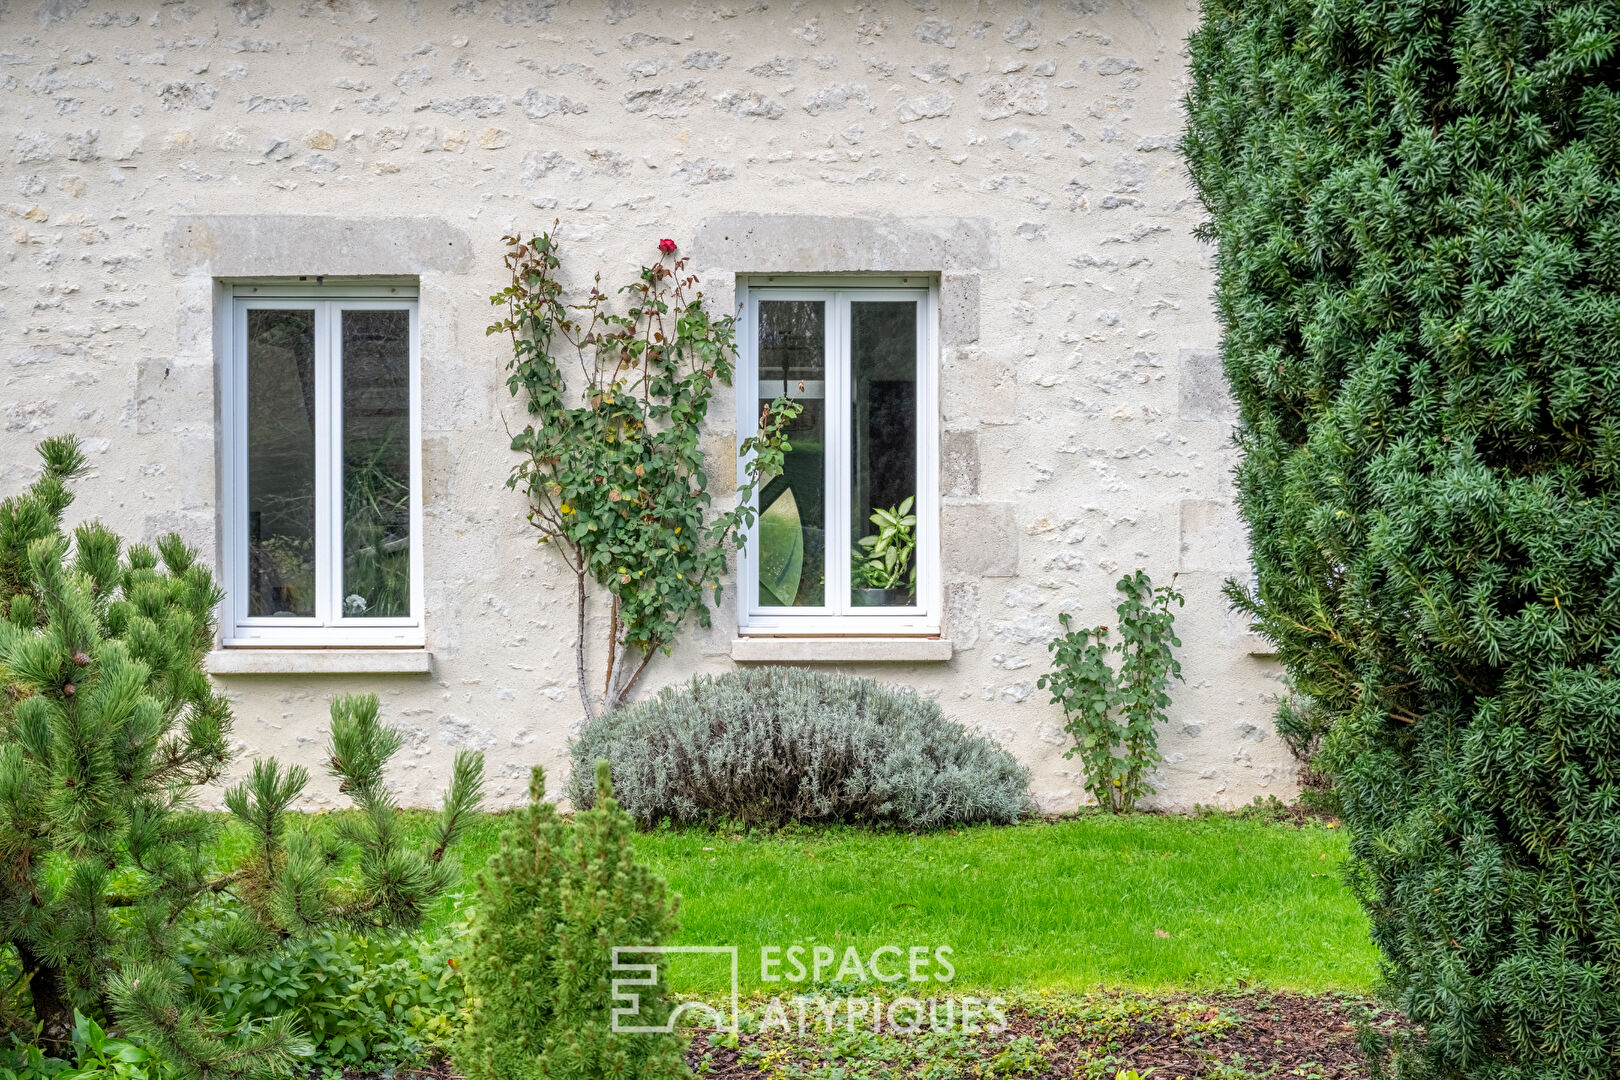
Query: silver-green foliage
[{"x": 777, "y": 745}]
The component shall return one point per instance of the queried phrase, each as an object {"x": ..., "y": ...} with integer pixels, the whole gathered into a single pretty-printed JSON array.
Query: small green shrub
[
  {"x": 1117, "y": 758},
  {"x": 776, "y": 745},
  {"x": 361, "y": 1000},
  {"x": 96, "y": 1056},
  {"x": 1024, "y": 1056},
  {"x": 1302, "y": 725},
  {"x": 553, "y": 903}
]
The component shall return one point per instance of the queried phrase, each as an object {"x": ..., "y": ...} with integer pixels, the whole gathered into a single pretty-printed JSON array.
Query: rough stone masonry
[{"x": 1024, "y": 152}]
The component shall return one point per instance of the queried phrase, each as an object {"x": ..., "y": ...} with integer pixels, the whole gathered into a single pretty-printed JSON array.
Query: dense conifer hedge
[{"x": 1417, "y": 205}]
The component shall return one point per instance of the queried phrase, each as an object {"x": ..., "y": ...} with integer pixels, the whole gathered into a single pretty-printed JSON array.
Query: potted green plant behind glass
[{"x": 886, "y": 575}]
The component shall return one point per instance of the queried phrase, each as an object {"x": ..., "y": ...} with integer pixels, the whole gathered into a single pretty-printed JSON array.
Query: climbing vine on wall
[{"x": 613, "y": 467}]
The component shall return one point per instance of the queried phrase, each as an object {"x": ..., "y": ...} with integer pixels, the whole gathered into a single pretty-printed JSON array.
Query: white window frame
[
  {"x": 328, "y": 627},
  {"x": 838, "y": 617}
]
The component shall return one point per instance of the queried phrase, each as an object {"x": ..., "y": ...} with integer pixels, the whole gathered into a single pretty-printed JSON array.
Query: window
[
  {"x": 859, "y": 357},
  {"x": 322, "y": 516}
]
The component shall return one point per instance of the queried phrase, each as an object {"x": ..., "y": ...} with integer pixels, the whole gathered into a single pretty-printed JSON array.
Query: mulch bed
[
  {"x": 1273, "y": 1035},
  {"x": 1239, "y": 1036},
  {"x": 1222, "y": 1036}
]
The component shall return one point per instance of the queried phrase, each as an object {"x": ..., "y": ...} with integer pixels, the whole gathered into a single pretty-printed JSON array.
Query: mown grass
[{"x": 1144, "y": 902}]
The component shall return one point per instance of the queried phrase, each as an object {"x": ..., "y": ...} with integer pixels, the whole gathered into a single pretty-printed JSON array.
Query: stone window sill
[
  {"x": 839, "y": 650},
  {"x": 240, "y": 661}
]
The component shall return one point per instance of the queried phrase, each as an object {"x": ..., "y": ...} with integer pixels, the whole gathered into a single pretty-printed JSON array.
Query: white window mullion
[
  {"x": 236, "y": 476},
  {"x": 747, "y": 390},
  {"x": 418, "y": 574},
  {"x": 328, "y": 463},
  {"x": 840, "y": 415},
  {"x": 929, "y": 594}
]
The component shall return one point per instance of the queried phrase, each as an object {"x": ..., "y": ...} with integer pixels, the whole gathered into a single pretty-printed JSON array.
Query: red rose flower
[{"x": 667, "y": 246}]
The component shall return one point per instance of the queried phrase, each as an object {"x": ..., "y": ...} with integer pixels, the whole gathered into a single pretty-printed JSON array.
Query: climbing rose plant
[{"x": 613, "y": 469}]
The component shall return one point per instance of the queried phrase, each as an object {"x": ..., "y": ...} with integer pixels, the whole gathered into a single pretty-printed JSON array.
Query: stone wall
[{"x": 1026, "y": 152}]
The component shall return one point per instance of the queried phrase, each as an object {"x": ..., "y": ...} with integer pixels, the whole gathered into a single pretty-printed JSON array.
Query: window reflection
[
  {"x": 281, "y": 461},
  {"x": 883, "y": 521},
  {"x": 792, "y": 519},
  {"x": 376, "y": 360}
]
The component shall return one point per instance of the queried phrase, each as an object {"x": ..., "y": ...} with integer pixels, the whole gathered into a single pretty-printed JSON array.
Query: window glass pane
[
  {"x": 883, "y": 452},
  {"x": 792, "y": 518},
  {"x": 281, "y": 462},
  {"x": 376, "y": 362}
]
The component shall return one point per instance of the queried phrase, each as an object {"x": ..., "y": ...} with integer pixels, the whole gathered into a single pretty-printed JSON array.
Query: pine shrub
[
  {"x": 1417, "y": 211},
  {"x": 776, "y": 745},
  {"x": 552, "y": 904},
  {"x": 108, "y": 729}
]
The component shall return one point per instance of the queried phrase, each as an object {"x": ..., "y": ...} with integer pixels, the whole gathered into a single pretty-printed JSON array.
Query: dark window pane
[
  {"x": 793, "y": 516},
  {"x": 281, "y": 462},
  {"x": 883, "y": 517},
  {"x": 376, "y": 464}
]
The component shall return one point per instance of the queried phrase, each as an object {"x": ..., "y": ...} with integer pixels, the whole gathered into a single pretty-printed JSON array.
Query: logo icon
[{"x": 627, "y": 1002}]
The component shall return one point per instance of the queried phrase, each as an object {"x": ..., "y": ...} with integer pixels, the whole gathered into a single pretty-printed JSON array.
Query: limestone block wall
[{"x": 1025, "y": 152}]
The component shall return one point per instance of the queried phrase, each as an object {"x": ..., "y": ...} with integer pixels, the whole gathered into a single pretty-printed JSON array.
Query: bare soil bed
[
  {"x": 1219, "y": 1036},
  {"x": 1222, "y": 1036}
]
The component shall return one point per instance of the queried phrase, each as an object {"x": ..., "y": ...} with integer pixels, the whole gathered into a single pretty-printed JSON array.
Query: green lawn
[{"x": 1069, "y": 905}]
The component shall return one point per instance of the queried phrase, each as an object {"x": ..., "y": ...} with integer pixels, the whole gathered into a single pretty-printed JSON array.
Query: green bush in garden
[
  {"x": 360, "y": 1000},
  {"x": 779, "y": 745},
  {"x": 108, "y": 729},
  {"x": 1417, "y": 207},
  {"x": 1303, "y": 727},
  {"x": 552, "y": 904},
  {"x": 1113, "y": 709},
  {"x": 95, "y": 1055}
]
